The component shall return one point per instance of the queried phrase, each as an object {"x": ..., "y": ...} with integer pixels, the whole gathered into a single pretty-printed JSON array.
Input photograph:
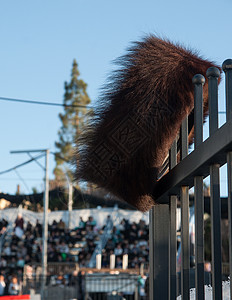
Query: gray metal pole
[
  {"x": 198, "y": 81},
  {"x": 172, "y": 228},
  {"x": 185, "y": 263},
  {"x": 158, "y": 254},
  {"x": 70, "y": 203},
  {"x": 229, "y": 175},
  {"x": 184, "y": 139},
  {"x": 45, "y": 226},
  {"x": 184, "y": 198},
  {"x": 215, "y": 201},
  {"x": 172, "y": 247},
  {"x": 227, "y": 68}
]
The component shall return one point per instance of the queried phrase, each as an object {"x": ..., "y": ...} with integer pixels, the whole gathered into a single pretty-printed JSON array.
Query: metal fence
[
  {"x": 99, "y": 286},
  {"x": 66, "y": 281},
  {"x": 51, "y": 291},
  {"x": 62, "y": 281},
  {"x": 205, "y": 160}
]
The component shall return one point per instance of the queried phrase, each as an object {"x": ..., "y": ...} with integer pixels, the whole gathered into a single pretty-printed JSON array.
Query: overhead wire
[
  {"x": 55, "y": 104},
  {"x": 23, "y": 181},
  {"x": 16, "y": 179},
  {"x": 44, "y": 103},
  {"x": 22, "y": 164},
  {"x": 29, "y": 161}
]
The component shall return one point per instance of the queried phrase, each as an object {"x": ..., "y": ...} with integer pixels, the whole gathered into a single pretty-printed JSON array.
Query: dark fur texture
[{"x": 138, "y": 119}]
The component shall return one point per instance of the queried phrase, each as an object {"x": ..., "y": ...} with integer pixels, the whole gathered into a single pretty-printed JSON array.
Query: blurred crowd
[{"x": 70, "y": 245}]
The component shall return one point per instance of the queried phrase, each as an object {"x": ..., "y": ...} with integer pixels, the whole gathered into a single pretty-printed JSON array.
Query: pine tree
[{"x": 72, "y": 121}]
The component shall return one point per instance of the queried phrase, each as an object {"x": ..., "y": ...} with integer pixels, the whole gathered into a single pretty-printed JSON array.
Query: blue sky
[{"x": 40, "y": 39}]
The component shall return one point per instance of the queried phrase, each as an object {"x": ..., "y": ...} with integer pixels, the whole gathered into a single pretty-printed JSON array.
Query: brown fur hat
[{"x": 138, "y": 118}]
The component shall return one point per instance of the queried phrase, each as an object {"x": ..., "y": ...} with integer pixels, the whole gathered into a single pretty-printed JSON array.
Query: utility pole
[
  {"x": 45, "y": 215},
  {"x": 70, "y": 203},
  {"x": 45, "y": 225}
]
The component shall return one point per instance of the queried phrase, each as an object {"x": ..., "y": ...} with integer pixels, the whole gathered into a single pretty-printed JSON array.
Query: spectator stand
[
  {"x": 70, "y": 248},
  {"x": 126, "y": 240},
  {"x": 7, "y": 228}
]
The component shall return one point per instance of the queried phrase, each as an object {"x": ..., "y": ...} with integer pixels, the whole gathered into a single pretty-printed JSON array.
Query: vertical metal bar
[
  {"x": 227, "y": 68},
  {"x": 215, "y": 208},
  {"x": 45, "y": 226},
  {"x": 151, "y": 254},
  {"x": 136, "y": 293},
  {"x": 213, "y": 75},
  {"x": 158, "y": 242},
  {"x": 229, "y": 175},
  {"x": 184, "y": 139},
  {"x": 215, "y": 201},
  {"x": 184, "y": 198},
  {"x": 172, "y": 155},
  {"x": 199, "y": 237},
  {"x": 185, "y": 264},
  {"x": 198, "y": 81},
  {"x": 85, "y": 288},
  {"x": 172, "y": 229},
  {"x": 172, "y": 247}
]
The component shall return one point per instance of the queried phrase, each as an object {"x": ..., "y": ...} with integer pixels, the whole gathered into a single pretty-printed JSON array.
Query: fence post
[
  {"x": 172, "y": 229},
  {"x": 185, "y": 263},
  {"x": 172, "y": 247},
  {"x": 198, "y": 81},
  {"x": 136, "y": 290},
  {"x": 184, "y": 199},
  {"x": 215, "y": 201},
  {"x": 158, "y": 254},
  {"x": 86, "y": 292},
  {"x": 45, "y": 227},
  {"x": 184, "y": 139},
  {"x": 227, "y": 68}
]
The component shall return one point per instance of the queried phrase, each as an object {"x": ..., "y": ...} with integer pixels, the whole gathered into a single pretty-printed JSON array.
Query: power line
[
  {"x": 16, "y": 179},
  {"x": 55, "y": 104},
  {"x": 23, "y": 181},
  {"x": 29, "y": 161},
  {"x": 43, "y": 103},
  {"x": 23, "y": 164}
]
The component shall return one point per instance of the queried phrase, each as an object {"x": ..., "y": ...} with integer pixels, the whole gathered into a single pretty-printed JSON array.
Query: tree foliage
[{"x": 72, "y": 120}]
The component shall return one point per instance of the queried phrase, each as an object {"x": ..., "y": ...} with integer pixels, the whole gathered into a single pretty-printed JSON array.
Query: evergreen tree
[{"x": 72, "y": 121}]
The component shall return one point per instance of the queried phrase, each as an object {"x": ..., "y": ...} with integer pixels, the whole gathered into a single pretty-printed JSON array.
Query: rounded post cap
[
  {"x": 198, "y": 79},
  {"x": 227, "y": 65},
  {"x": 213, "y": 72}
]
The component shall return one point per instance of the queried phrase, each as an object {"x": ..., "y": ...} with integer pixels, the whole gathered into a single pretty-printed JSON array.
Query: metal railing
[
  {"x": 86, "y": 283},
  {"x": 98, "y": 286},
  {"x": 58, "y": 283},
  {"x": 205, "y": 160}
]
